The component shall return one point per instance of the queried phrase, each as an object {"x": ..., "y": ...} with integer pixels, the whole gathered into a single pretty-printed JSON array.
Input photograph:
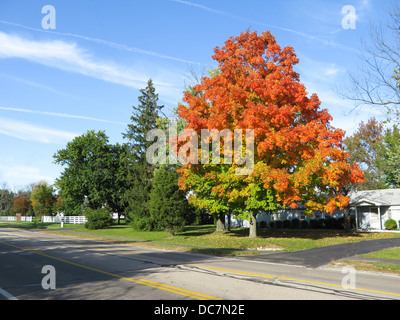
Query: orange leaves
[{"x": 297, "y": 153}]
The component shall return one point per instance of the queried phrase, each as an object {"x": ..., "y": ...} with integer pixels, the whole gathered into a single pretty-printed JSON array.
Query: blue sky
[{"x": 86, "y": 73}]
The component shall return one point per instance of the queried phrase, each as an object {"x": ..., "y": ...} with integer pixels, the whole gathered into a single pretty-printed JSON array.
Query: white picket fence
[
  {"x": 49, "y": 219},
  {"x": 14, "y": 218},
  {"x": 65, "y": 219}
]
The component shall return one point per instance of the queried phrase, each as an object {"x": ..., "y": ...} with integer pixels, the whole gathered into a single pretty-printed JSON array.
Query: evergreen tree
[
  {"x": 144, "y": 118},
  {"x": 168, "y": 205},
  {"x": 139, "y": 172}
]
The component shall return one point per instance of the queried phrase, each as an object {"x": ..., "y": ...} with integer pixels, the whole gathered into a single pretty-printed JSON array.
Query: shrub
[
  {"x": 286, "y": 224},
  {"x": 272, "y": 224},
  {"x": 304, "y": 224},
  {"x": 322, "y": 224},
  {"x": 98, "y": 219},
  {"x": 278, "y": 224},
  {"x": 340, "y": 223},
  {"x": 295, "y": 224},
  {"x": 331, "y": 223},
  {"x": 314, "y": 224},
  {"x": 391, "y": 224},
  {"x": 141, "y": 223},
  {"x": 263, "y": 224}
]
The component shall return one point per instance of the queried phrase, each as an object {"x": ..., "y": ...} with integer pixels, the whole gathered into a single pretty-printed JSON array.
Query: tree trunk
[
  {"x": 253, "y": 226},
  {"x": 220, "y": 222},
  {"x": 346, "y": 220}
]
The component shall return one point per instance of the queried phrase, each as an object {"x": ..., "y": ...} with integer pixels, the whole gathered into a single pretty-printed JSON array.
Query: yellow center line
[
  {"x": 160, "y": 286},
  {"x": 259, "y": 275},
  {"x": 230, "y": 271}
]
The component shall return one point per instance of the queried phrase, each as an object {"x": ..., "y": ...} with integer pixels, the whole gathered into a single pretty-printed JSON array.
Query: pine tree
[
  {"x": 144, "y": 119},
  {"x": 168, "y": 205},
  {"x": 139, "y": 172}
]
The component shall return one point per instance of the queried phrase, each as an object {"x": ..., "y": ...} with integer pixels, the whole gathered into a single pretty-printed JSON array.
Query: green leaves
[
  {"x": 92, "y": 171},
  {"x": 168, "y": 206},
  {"x": 390, "y": 157}
]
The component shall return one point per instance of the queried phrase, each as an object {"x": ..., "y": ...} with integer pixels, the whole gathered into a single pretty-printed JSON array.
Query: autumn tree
[
  {"x": 298, "y": 156},
  {"x": 59, "y": 204},
  {"x": 42, "y": 199},
  {"x": 364, "y": 146},
  {"x": 21, "y": 205}
]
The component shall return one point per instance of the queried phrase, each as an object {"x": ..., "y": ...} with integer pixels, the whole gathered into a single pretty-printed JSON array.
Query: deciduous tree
[
  {"x": 389, "y": 162},
  {"x": 21, "y": 205},
  {"x": 42, "y": 199},
  {"x": 364, "y": 146},
  {"x": 298, "y": 155},
  {"x": 92, "y": 172}
]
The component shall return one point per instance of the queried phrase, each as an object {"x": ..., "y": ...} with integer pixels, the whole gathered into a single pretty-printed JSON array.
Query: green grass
[
  {"x": 392, "y": 254},
  {"x": 194, "y": 237},
  {"x": 39, "y": 226},
  {"x": 373, "y": 266},
  {"x": 204, "y": 238}
]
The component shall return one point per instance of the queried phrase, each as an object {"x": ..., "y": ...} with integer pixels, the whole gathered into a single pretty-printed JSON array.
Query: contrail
[
  {"x": 111, "y": 44},
  {"x": 299, "y": 33},
  {"x": 62, "y": 115}
]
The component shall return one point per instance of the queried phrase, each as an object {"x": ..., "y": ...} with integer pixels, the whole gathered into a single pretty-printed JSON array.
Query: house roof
[{"x": 384, "y": 197}]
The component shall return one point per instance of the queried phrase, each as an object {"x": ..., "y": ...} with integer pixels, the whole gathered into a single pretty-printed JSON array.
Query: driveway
[{"x": 314, "y": 258}]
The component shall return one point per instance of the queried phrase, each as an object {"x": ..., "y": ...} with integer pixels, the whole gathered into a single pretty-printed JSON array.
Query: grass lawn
[
  {"x": 203, "y": 238},
  {"x": 391, "y": 254},
  {"x": 39, "y": 226},
  {"x": 373, "y": 266}
]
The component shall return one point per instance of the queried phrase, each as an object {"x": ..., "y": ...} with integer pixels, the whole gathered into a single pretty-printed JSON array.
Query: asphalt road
[{"x": 93, "y": 270}]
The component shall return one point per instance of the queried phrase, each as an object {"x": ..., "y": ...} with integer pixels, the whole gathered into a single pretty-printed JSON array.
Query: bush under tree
[
  {"x": 168, "y": 206},
  {"x": 98, "y": 218}
]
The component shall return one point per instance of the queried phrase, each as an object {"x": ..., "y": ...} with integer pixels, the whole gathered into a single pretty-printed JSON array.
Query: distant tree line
[{"x": 35, "y": 200}]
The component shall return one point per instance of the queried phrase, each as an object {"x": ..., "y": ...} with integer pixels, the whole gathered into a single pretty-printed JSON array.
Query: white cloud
[
  {"x": 20, "y": 176},
  {"x": 25, "y": 131},
  {"x": 331, "y": 71},
  {"x": 69, "y": 57},
  {"x": 114, "y": 45}
]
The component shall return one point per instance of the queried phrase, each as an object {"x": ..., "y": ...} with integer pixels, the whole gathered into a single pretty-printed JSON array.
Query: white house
[{"x": 372, "y": 208}]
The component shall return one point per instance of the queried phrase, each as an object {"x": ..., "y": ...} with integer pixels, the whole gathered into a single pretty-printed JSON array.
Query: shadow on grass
[
  {"x": 221, "y": 252},
  {"x": 195, "y": 231},
  {"x": 29, "y": 225},
  {"x": 312, "y": 234}
]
